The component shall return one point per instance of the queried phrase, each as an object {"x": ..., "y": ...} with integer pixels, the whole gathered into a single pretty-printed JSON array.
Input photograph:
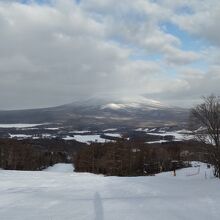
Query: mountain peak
[
  {"x": 113, "y": 106},
  {"x": 134, "y": 102}
]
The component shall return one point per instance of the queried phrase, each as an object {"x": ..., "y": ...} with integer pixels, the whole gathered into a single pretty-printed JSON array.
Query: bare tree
[{"x": 207, "y": 117}]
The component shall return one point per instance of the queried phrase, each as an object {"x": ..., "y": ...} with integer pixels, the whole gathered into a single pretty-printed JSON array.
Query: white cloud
[{"x": 177, "y": 57}]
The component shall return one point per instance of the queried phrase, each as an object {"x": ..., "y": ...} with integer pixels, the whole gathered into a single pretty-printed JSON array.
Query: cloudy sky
[{"x": 55, "y": 51}]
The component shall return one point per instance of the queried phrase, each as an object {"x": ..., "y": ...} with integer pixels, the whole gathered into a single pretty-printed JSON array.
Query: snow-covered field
[
  {"x": 80, "y": 132},
  {"x": 87, "y": 138},
  {"x": 181, "y": 135},
  {"x": 23, "y": 136},
  {"x": 113, "y": 135},
  {"x": 176, "y": 134},
  {"x": 18, "y": 125},
  {"x": 59, "y": 194},
  {"x": 92, "y": 138}
]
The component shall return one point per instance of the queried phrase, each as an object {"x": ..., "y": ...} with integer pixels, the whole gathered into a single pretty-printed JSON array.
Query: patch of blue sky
[
  {"x": 171, "y": 73},
  {"x": 201, "y": 65},
  {"x": 188, "y": 42},
  {"x": 24, "y": 1},
  {"x": 41, "y": 2},
  {"x": 137, "y": 53},
  {"x": 36, "y": 1}
]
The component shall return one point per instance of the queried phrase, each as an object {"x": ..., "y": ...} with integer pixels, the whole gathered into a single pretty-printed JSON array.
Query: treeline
[
  {"x": 121, "y": 158},
  {"x": 36, "y": 154},
  {"x": 127, "y": 158}
]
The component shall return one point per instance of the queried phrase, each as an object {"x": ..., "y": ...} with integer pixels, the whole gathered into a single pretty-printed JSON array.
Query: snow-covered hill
[{"x": 55, "y": 195}]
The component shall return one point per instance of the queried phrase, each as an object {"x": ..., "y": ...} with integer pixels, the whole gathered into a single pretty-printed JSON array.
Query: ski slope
[{"x": 59, "y": 194}]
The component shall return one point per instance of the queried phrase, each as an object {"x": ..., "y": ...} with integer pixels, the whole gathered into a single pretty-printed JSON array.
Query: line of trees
[
  {"x": 35, "y": 154},
  {"x": 127, "y": 158}
]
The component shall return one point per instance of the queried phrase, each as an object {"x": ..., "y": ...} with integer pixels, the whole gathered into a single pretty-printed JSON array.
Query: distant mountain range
[{"x": 136, "y": 112}]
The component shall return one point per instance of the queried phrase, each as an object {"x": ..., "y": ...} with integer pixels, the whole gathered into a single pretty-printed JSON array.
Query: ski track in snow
[{"x": 57, "y": 194}]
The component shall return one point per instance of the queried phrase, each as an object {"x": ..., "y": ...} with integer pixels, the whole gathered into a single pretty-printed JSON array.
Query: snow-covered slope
[
  {"x": 60, "y": 168},
  {"x": 192, "y": 195}
]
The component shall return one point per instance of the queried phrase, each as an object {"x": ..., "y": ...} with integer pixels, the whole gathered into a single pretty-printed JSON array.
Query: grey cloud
[
  {"x": 53, "y": 54},
  {"x": 190, "y": 87},
  {"x": 46, "y": 52},
  {"x": 203, "y": 22}
]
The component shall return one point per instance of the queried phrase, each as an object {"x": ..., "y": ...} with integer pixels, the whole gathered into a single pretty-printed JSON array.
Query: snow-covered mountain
[{"x": 101, "y": 112}]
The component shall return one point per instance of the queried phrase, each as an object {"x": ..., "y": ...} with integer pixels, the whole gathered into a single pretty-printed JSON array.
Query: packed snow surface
[
  {"x": 43, "y": 195},
  {"x": 60, "y": 168}
]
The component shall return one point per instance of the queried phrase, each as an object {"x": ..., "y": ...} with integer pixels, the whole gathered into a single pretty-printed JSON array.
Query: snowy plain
[
  {"x": 86, "y": 138},
  {"x": 113, "y": 135},
  {"x": 60, "y": 194},
  {"x": 18, "y": 125}
]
